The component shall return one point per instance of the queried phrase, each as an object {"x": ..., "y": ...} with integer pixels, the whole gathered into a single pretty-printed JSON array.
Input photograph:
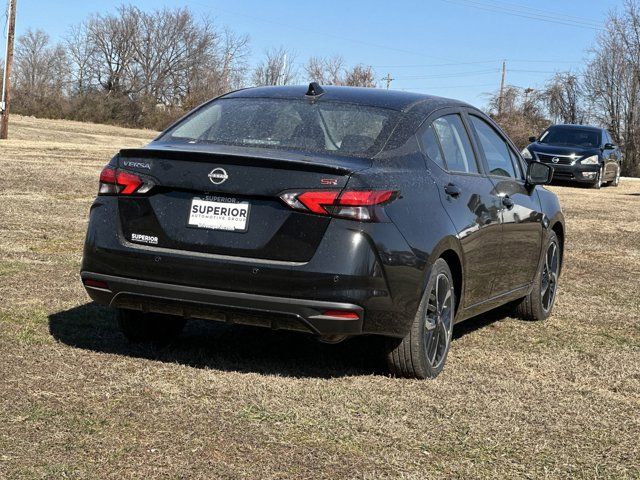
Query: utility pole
[
  {"x": 388, "y": 79},
  {"x": 504, "y": 72},
  {"x": 6, "y": 78}
]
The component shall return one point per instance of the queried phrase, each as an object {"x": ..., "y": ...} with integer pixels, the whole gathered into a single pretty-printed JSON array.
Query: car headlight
[
  {"x": 592, "y": 160},
  {"x": 526, "y": 154}
]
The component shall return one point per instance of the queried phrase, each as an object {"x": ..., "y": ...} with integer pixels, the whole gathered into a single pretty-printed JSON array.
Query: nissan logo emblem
[
  {"x": 218, "y": 176},
  {"x": 555, "y": 159}
]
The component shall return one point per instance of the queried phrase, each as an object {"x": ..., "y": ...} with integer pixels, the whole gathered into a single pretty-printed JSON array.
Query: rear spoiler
[{"x": 278, "y": 159}]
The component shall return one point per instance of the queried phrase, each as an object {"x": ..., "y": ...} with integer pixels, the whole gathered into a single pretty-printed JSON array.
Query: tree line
[{"x": 145, "y": 69}]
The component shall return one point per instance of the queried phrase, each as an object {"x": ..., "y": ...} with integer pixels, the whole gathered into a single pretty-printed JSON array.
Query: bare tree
[
  {"x": 563, "y": 96},
  {"x": 114, "y": 38},
  {"x": 606, "y": 80},
  {"x": 170, "y": 44},
  {"x": 326, "y": 70},
  {"x": 276, "y": 68},
  {"x": 613, "y": 82},
  {"x": 522, "y": 113},
  {"x": 360, "y": 76},
  {"x": 82, "y": 58},
  {"x": 233, "y": 53},
  {"x": 219, "y": 66},
  {"x": 41, "y": 72},
  {"x": 333, "y": 71}
]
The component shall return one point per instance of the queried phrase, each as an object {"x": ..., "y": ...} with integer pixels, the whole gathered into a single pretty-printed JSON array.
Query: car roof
[
  {"x": 571, "y": 126},
  {"x": 373, "y": 97}
]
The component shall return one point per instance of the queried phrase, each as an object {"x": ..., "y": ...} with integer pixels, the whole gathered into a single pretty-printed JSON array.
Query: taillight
[
  {"x": 363, "y": 205},
  {"x": 114, "y": 181}
]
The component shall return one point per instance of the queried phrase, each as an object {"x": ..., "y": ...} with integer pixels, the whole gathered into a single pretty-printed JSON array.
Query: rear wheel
[
  {"x": 616, "y": 181},
  {"x": 423, "y": 351},
  {"x": 539, "y": 303},
  {"x": 140, "y": 327}
]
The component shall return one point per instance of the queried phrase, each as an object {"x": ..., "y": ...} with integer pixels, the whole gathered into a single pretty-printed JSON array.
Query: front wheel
[
  {"x": 599, "y": 179},
  {"x": 539, "y": 303},
  {"x": 423, "y": 351}
]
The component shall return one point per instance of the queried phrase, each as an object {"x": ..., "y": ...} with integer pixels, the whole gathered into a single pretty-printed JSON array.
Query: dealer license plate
[{"x": 215, "y": 215}]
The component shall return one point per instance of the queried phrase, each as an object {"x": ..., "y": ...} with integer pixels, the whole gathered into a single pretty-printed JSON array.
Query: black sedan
[
  {"x": 334, "y": 211},
  {"x": 578, "y": 153}
]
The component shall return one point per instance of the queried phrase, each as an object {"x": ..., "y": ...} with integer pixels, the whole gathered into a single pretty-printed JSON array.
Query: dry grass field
[{"x": 558, "y": 399}]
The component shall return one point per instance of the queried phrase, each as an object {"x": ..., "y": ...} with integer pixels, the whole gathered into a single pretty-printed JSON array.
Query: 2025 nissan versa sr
[{"x": 331, "y": 210}]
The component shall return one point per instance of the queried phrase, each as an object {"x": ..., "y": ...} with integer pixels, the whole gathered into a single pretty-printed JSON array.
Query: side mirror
[
  {"x": 609, "y": 146},
  {"x": 539, "y": 173},
  {"x": 532, "y": 139}
]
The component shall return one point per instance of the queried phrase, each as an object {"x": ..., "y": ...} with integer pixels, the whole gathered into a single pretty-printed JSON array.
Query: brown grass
[{"x": 528, "y": 400}]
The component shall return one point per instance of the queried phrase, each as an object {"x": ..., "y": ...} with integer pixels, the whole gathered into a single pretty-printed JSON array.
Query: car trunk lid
[{"x": 225, "y": 200}]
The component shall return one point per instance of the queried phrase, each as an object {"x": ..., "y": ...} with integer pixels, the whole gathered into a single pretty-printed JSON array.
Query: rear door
[
  {"x": 226, "y": 200},
  {"x": 468, "y": 197},
  {"x": 520, "y": 211}
]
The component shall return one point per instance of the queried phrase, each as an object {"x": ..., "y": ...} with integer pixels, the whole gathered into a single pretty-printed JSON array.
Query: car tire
[
  {"x": 616, "y": 181},
  {"x": 598, "y": 183},
  {"x": 423, "y": 351},
  {"x": 539, "y": 303},
  {"x": 140, "y": 327}
]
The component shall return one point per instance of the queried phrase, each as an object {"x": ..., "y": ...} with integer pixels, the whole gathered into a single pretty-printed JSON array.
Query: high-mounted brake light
[
  {"x": 114, "y": 181},
  {"x": 363, "y": 205}
]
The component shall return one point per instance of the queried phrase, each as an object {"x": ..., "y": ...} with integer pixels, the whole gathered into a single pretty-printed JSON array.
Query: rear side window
[
  {"x": 432, "y": 148},
  {"x": 496, "y": 150},
  {"x": 456, "y": 146}
]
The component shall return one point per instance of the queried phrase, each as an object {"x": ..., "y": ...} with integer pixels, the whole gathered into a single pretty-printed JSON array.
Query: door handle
[
  {"x": 452, "y": 190},
  {"x": 507, "y": 202}
]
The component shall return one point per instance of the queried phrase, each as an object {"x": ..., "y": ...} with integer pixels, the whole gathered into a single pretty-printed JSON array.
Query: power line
[
  {"x": 449, "y": 75},
  {"x": 433, "y": 64},
  {"x": 545, "y": 12},
  {"x": 523, "y": 13},
  {"x": 318, "y": 32},
  {"x": 533, "y": 71},
  {"x": 444, "y": 87}
]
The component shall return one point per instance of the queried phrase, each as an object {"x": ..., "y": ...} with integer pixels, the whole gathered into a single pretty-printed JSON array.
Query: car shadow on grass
[{"x": 213, "y": 345}]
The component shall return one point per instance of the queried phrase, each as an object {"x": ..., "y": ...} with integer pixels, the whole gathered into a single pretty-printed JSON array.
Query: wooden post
[
  {"x": 504, "y": 71},
  {"x": 6, "y": 79},
  {"x": 388, "y": 80}
]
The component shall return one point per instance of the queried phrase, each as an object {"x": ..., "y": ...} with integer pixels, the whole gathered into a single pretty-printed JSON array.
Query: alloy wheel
[
  {"x": 549, "y": 276},
  {"x": 439, "y": 321},
  {"x": 600, "y": 175}
]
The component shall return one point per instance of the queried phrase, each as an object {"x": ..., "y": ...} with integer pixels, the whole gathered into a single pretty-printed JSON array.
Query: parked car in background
[
  {"x": 334, "y": 211},
  {"x": 578, "y": 153}
]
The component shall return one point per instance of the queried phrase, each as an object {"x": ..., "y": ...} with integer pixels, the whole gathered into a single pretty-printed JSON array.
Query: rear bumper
[
  {"x": 233, "y": 307},
  {"x": 381, "y": 277}
]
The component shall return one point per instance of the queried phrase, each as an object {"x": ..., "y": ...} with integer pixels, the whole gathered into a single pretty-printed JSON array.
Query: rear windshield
[
  {"x": 325, "y": 127},
  {"x": 581, "y": 137}
]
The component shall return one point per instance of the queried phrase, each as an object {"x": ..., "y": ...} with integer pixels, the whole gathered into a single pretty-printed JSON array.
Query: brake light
[
  {"x": 114, "y": 181},
  {"x": 316, "y": 201},
  {"x": 363, "y": 205}
]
